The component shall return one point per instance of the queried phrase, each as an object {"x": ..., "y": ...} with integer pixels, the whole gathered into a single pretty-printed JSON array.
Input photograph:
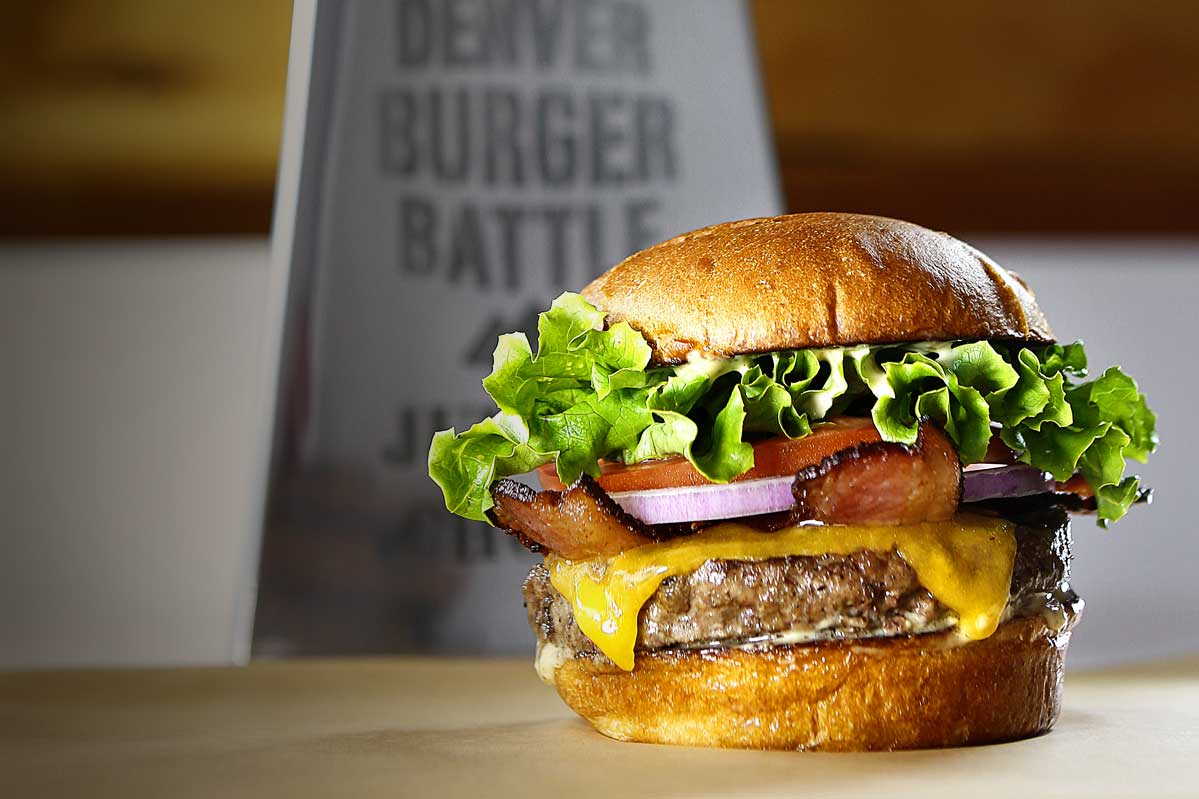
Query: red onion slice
[
  {"x": 705, "y": 503},
  {"x": 772, "y": 494},
  {"x": 1018, "y": 480}
]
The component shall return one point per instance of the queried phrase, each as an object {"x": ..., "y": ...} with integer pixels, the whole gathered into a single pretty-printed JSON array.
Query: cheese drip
[{"x": 966, "y": 563}]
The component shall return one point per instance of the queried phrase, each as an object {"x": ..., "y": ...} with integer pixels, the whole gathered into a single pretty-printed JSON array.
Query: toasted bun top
[{"x": 813, "y": 280}]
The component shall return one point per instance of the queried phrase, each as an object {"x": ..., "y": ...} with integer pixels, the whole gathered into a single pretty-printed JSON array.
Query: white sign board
[{"x": 463, "y": 163}]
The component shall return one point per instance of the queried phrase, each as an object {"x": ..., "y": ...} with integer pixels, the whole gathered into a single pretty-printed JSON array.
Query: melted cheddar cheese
[{"x": 966, "y": 563}]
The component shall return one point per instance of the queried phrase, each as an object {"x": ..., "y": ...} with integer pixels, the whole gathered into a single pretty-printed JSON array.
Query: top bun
[{"x": 813, "y": 280}]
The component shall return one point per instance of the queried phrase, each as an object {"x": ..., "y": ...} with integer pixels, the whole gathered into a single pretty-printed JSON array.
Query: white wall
[
  {"x": 1136, "y": 304},
  {"x": 128, "y": 379},
  {"x": 128, "y": 375}
]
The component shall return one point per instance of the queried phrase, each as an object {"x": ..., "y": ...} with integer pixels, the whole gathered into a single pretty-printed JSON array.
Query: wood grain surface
[{"x": 425, "y": 727}]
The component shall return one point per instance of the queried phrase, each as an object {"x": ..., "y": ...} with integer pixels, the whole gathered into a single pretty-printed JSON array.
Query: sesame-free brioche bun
[
  {"x": 813, "y": 280},
  {"x": 916, "y": 692}
]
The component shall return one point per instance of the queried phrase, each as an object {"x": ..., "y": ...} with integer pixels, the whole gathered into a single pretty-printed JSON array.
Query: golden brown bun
[
  {"x": 909, "y": 693},
  {"x": 813, "y": 280}
]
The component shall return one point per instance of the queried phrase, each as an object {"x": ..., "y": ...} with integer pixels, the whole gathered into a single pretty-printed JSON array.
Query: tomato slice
[
  {"x": 772, "y": 458},
  {"x": 1077, "y": 485}
]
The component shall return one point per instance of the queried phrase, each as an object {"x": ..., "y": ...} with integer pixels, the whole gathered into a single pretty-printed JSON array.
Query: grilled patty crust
[{"x": 864, "y": 593}]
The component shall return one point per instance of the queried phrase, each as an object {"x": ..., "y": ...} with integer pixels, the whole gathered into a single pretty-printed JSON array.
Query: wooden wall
[
  {"x": 1056, "y": 116},
  {"x": 162, "y": 116},
  {"x": 140, "y": 116}
]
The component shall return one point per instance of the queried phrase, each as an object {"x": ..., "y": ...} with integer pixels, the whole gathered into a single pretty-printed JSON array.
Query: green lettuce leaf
[
  {"x": 1068, "y": 358},
  {"x": 895, "y": 411},
  {"x": 491, "y": 449},
  {"x": 589, "y": 430},
  {"x": 724, "y": 454},
  {"x": 590, "y": 392},
  {"x": 675, "y": 433},
  {"x": 1115, "y": 396}
]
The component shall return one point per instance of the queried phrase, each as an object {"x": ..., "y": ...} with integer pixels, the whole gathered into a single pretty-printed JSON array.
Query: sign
[{"x": 460, "y": 165}]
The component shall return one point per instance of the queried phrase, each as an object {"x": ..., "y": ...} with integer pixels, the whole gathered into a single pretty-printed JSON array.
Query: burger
[{"x": 805, "y": 483}]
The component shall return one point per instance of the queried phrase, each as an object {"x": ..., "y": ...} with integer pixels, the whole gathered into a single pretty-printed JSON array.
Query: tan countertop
[{"x": 417, "y": 727}]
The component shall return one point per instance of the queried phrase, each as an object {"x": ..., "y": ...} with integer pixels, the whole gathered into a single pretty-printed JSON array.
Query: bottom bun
[{"x": 920, "y": 692}]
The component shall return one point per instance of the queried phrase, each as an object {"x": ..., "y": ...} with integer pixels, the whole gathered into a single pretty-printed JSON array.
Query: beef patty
[{"x": 864, "y": 593}]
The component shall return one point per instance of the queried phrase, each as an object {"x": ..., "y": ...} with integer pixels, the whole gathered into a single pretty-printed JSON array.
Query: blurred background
[
  {"x": 137, "y": 118},
  {"x": 139, "y": 148}
]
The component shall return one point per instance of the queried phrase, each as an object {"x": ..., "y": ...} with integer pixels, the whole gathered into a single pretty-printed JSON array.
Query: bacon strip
[
  {"x": 580, "y": 522},
  {"x": 884, "y": 483},
  {"x": 999, "y": 452},
  {"x": 871, "y": 483}
]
